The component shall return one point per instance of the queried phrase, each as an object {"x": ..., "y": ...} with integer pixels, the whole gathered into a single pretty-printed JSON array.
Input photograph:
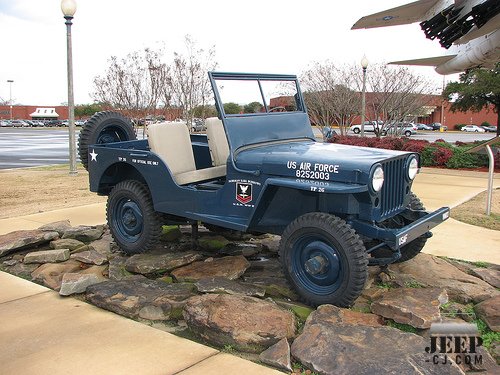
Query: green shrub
[
  {"x": 485, "y": 123},
  {"x": 461, "y": 159},
  {"x": 459, "y": 126}
]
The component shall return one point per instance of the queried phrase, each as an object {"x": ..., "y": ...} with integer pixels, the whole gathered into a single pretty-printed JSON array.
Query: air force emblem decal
[{"x": 243, "y": 192}]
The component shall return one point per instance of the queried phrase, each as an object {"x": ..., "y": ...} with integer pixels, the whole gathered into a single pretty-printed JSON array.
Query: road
[{"x": 21, "y": 148}]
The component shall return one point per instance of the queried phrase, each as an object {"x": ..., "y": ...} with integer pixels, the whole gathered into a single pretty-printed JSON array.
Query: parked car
[
  {"x": 54, "y": 123},
  {"x": 423, "y": 127},
  {"x": 473, "y": 129},
  {"x": 5, "y": 124},
  {"x": 79, "y": 122},
  {"x": 37, "y": 123},
  {"x": 198, "y": 125},
  {"x": 369, "y": 126},
  {"x": 19, "y": 123},
  {"x": 406, "y": 129},
  {"x": 438, "y": 126},
  {"x": 489, "y": 128}
]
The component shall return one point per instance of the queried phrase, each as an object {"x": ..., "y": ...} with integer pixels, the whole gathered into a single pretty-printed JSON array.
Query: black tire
[
  {"x": 134, "y": 224},
  {"x": 383, "y": 132},
  {"x": 413, "y": 248},
  {"x": 104, "y": 127},
  {"x": 407, "y": 133},
  {"x": 324, "y": 259},
  {"x": 356, "y": 130}
]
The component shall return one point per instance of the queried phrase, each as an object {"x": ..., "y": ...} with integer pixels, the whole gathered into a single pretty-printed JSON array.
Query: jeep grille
[{"x": 394, "y": 190}]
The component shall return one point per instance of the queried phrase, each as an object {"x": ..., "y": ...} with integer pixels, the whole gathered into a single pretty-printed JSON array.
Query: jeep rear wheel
[
  {"x": 132, "y": 220},
  {"x": 104, "y": 127},
  {"x": 324, "y": 259}
]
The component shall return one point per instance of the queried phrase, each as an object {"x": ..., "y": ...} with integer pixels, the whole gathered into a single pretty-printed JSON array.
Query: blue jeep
[{"x": 337, "y": 208}]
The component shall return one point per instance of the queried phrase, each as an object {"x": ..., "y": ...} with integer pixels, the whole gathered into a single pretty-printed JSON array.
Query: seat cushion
[{"x": 217, "y": 141}]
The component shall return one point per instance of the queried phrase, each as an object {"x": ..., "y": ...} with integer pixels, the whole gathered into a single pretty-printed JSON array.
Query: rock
[
  {"x": 67, "y": 243},
  {"x": 330, "y": 314},
  {"x": 327, "y": 347},
  {"x": 245, "y": 249},
  {"x": 22, "y": 239},
  {"x": 146, "y": 299},
  {"x": 81, "y": 249},
  {"x": 170, "y": 233},
  {"x": 271, "y": 243},
  {"x": 84, "y": 233},
  {"x": 151, "y": 263},
  {"x": 58, "y": 226},
  {"x": 223, "y": 285},
  {"x": 90, "y": 257},
  {"x": 247, "y": 323},
  {"x": 212, "y": 242},
  {"x": 489, "y": 311},
  {"x": 454, "y": 310},
  {"x": 47, "y": 256},
  {"x": 103, "y": 245},
  {"x": 275, "y": 286},
  {"x": 489, "y": 275},
  {"x": 10, "y": 263},
  {"x": 117, "y": 269},
  {"x": 431, "y": 271},
  {"x": 418, "y": 307},
  {"x": 73, "y": 283},
  {"x": 97, "y": 271},
  {"x": 228, "y": 267},
  {"x": 23, "y": 270},
  {"x": 278, "y": 356},
  {"x": 50, "y": 274}
]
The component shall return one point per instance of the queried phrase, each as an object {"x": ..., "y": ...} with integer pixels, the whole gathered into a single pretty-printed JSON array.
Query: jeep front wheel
[
  {"x": 324, "y": 259},
  {"x": 132, "y": 220}
]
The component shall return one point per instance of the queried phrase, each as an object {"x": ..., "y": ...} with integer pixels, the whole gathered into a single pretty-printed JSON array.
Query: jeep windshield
[{"x": 260, "y": 108}]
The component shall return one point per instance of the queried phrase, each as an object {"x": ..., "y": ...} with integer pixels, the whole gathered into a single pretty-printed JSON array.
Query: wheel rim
[
  {"x": 111, "y": 134},
  {"x": 317, "y": 265},
  {"x": 128, "y": 219}
]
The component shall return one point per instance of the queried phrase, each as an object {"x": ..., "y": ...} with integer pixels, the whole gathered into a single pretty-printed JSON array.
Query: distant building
[{"x": 29, "y": 112}]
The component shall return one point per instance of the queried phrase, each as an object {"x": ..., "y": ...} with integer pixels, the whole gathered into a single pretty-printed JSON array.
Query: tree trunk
[{"x": 498, "y": 122}]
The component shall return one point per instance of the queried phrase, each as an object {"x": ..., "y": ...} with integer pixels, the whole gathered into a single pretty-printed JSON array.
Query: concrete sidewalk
[{"x": 43, "y": 333}]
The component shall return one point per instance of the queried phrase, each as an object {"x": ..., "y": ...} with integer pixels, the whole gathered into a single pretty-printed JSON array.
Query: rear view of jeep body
[{"x": 337, "y": 208}]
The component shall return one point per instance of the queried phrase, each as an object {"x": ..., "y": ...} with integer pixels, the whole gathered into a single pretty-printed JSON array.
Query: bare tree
[
  {"x": 188, "y": 80},
  {"x": 329, "y": 94},
  {"x": 397, "y": 95},
  {"x": 135, "y": 83}
]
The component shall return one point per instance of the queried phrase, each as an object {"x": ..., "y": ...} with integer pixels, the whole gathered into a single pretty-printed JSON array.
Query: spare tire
[{"x": 104, "y": 127}]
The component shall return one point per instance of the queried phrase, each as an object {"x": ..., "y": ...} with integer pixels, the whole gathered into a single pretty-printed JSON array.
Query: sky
[{"x": 273, "y": 36}]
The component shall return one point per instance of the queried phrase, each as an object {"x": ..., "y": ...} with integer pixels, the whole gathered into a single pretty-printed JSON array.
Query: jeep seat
[
  {"x": 171, "y": 142},
  {"x": 217, "y": 141}
]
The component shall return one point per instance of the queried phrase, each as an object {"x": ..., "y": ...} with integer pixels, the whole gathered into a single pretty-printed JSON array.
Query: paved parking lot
[{"x": 26, "y": 147}]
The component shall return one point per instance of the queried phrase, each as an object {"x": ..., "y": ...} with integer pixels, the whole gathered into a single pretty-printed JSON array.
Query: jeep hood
[{"x": 306, "y": 159}]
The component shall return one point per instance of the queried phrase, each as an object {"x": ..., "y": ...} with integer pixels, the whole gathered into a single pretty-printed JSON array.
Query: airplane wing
[
  {"x": 402, "y": 15},
  {"x": 428, "y": 61}
]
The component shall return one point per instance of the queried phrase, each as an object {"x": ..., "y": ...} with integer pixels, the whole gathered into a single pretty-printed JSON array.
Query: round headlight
[
  {"x": 377, "y": 178},
  {"x": 412, "y": 168}
]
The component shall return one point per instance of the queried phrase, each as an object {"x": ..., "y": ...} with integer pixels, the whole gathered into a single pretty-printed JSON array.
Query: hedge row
[{"x": 436, "y": 154}]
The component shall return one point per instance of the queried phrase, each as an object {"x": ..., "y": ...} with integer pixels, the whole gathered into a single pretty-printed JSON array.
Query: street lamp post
[
  {"x": 10, "y": 81},
  {"x": 364, "y": 65},
  {"x": 68, "y": 8}
]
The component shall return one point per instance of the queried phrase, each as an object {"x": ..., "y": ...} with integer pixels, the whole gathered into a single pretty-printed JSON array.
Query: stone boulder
[
  {"x": 84, "y": 233},
  {"x": 247, "y": 323},
  {"x": 350, "y": 346},
  {"x": 146, "y": 299},
  {"x": 152, "y": 263},
  {"x": 22, "y": 270},
  {"x": 223, "y": 285},
  {"x": 103, "y": 245},
  {"x": 22, "y": 239},
  {"x": 50, "y": 274},
  {"x": 329, "y": 314},
  {"x": 67, "y": 243},
  {"x": 117, "y": 270},
  {"x": 90, "y": 257},
  {"x": 58, "y": 226},
  {"x": 489, "y": 311},
  {"x": 491, "y": 276},
  {"x": 97, "y": 271},
  {"x": 418, "y": 307},
  {"x": 246, "y": 249},
  {"x": 431, "y": 271},
  {"x": 212, "y": 243},
  {"x": 278, "y": 356},
  {"x": 47, "y": 256},
  {"x": 229, "y": 267},
  {"x": 73, "y": 283}
]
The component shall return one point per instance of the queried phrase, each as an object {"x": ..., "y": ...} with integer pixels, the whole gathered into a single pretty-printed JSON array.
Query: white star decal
[{"x": 93, "y": 155}]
